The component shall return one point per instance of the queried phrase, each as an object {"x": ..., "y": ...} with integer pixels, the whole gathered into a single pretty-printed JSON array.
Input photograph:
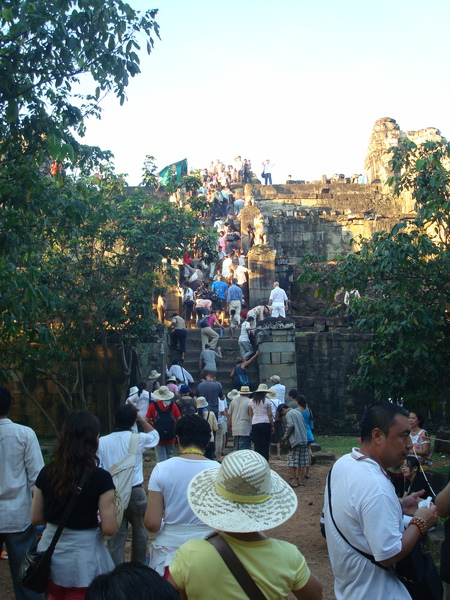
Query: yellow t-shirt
[{"x": 277, "y": 567}]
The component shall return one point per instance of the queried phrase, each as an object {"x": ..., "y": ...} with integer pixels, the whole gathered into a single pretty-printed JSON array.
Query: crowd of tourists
[{"x": 205, "y": 504}]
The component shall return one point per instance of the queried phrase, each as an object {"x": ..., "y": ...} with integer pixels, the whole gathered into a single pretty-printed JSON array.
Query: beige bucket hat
[
  {"x": 154, "y": 374},
  {"x": 242, "y": 495},
  {"x": 163, "y": 393},
  {"x": 201, "y": 402},
  {"x": 233, "y": 394}
]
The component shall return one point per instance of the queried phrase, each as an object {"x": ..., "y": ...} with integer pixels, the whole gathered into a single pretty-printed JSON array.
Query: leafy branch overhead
[
  {"x": 403, "y": 276},
  {"x": 81, "y": 255},
  {"x": 45, "y": 49}
]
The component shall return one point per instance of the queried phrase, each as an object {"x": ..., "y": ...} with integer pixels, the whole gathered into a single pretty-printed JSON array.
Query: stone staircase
[{"x": 230, "y": 351}]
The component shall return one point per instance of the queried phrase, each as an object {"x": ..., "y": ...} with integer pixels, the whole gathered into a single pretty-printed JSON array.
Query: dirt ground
[{"x": 302, "y": 529}]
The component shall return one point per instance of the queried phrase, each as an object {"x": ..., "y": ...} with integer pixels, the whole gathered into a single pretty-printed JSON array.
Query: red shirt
[{"x": 152, "y": 415}]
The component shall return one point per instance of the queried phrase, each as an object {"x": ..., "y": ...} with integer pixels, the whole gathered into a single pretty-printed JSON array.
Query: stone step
[{"x": 230, "y": 351}]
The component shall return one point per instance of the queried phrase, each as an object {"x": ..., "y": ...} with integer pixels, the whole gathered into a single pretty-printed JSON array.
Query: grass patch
[{"x": 337, "y": 444}]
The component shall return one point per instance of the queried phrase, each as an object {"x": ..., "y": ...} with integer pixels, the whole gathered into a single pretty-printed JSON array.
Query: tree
[
  {"x": 80, "y": 257},
  {"x": 403, "y": 278}
]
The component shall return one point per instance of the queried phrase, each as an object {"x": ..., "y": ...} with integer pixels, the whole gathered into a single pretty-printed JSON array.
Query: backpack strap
[
  {"x": 236, "y": 567},
  {"x": 134, "y": 444}
]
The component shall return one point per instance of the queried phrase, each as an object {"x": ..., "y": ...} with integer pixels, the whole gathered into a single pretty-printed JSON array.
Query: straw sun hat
[
  {"x": 154, "y": 374},
  {"x": 233, "y": 394},
  {"x": 163, "y": 393},
  {"x": 242, "y": 495},
  {"x": 262, "y": 387}
]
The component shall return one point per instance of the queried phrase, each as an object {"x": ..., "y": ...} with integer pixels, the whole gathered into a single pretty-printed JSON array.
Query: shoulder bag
[
  {"x": 416, "y": 571},
  {"x": 34, "y": 571},
  {"x": 235, "y": 566}
]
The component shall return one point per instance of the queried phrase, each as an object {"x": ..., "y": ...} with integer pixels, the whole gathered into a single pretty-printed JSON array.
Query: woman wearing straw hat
[
  {"x": 261, "y": 416},
  {"x": 168, "y": 513},
  {"x": 241, "y": 499}
]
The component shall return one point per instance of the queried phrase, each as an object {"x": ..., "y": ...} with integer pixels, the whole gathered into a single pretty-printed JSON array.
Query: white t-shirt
[
  {"x": 226, "y": 267},
  {"x": 172, "y": 478},
  {"x": 280, "y": 389},
  {"x": 222, "y": 406},
  {"x": 113, "y": 447},
  {"x": 260, "y": 414},
  {"x": 245, "y": 328},
  {"x": 278, "y": 295},
  {"x": 369, "y": 514}
]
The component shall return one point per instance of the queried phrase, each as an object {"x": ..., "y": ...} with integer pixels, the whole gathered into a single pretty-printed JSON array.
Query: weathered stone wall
[
  {"x": 98, "y": 382},
  {"x": 276, "y": 351},
  {"x": 324, "y": 363},
  {"x": 386, "y": 134}
]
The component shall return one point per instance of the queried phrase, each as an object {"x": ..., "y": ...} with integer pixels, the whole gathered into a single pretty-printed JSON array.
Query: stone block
[
  {"x": 288, "y": 358},
  {"x": 323, "y": 457},
  {"x": 263, "y": 358},
  {"x": 275, "y": 358}
]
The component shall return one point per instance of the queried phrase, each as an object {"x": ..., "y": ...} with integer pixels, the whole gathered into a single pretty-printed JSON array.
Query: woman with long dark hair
[
  {"x": 80, "y": 554},
  {"x": 261, "y": 416},
  {"x": 413, "y": 480}
]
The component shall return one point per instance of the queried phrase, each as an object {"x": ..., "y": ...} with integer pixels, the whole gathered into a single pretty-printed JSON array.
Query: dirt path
[{"x": 302, "y": 529}]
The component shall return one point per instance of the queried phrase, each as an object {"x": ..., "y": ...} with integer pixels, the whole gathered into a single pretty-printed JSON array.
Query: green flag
[{"x": 180, "y": 168}]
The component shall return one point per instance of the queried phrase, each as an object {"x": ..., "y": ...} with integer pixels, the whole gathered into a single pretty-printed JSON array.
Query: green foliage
[
  {"x": 403, "y": 277},
  {"x": 150, "y": 173},
  {"x": 80, "y": 258},
  {"x": 45, "y": 48}
]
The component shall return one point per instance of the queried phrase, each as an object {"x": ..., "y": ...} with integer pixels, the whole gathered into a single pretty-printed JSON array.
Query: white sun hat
[
  {"x": 163, "y": 393},
  {"x": 242, "y": 495},
  {"x": 233, "y": 394},
  {"x": 133, "y": 390}
]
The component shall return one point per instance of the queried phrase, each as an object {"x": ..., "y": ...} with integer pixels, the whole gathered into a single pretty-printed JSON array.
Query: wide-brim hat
[
  {"x": 171, "y": 379},
  {"x": 275, "y": 378},
  {"x": 271, "y": 394},
  {"x": 245, "y": 391},
  {"x": 154, "y": 374},
  {"x": 134, "y": 390},
  {"x": 163, "y": 393},
  {"x": 233, "y": 394},
  {"x": 242, "y": 495},
  {"x": 202, "y": 402},
  {"x": 262, "y": 387}
]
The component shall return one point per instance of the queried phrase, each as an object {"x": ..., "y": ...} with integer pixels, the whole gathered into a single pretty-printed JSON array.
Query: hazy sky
[{"x": 300, "y": 82}]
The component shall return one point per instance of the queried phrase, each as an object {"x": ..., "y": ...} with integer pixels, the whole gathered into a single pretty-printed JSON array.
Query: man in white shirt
[
  {"x": 245, "y": 345},
  {"x": 111, "y": 449},
  {"x": 278, "y": 301},
  {"x": 180, "y": 373},
  {"x": 363, "y": 507},
  {"x": 21, "y": 463}
]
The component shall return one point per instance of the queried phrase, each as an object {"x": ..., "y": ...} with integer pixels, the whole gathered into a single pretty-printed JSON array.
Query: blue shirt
[
  {"x": 234, "y": 293},
  {"x": 220, "y": 288}
]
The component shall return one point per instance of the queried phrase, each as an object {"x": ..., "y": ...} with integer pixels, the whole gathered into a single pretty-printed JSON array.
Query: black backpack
[
  {"x": 204, "y": 322},
  {"x": 165, "y": 423}
]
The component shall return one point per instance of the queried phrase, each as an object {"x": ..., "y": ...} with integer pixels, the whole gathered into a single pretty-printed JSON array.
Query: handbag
[
  {"x": 417, "y": 571},
  {"x": 235, "y": 566},
  {"x": 34, "y": 571}
]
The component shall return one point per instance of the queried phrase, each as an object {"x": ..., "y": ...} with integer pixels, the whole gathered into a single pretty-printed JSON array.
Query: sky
[{"x": 298, "y": 82}]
